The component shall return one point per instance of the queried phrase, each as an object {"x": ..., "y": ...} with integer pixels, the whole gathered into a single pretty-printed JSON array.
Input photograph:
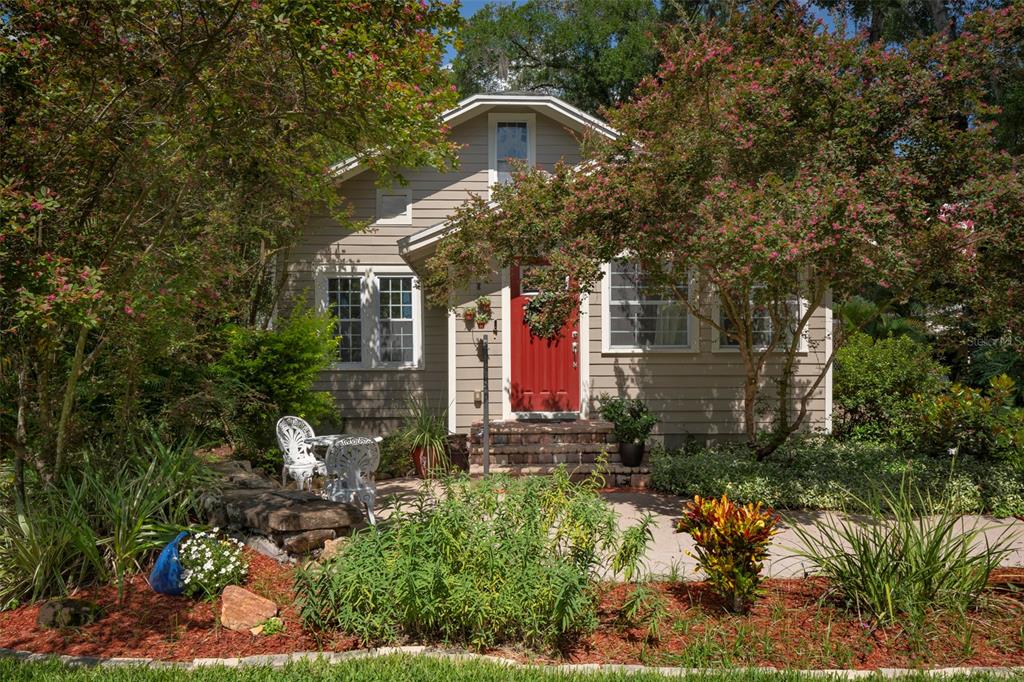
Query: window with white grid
[
  {"x": 344, "y": 302},
  {"x": 641, "y": 316},
  {"x": 761, "y": 322},
  {"x": 395, "y": 320}
]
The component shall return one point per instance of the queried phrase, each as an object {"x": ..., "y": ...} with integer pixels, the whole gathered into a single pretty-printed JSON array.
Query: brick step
[
  {"x": 616, "y": 475},
  {"x": 546, "y": 448},
  {"x": 582, "y": 431},
  {"x": 518, "y": 459}
]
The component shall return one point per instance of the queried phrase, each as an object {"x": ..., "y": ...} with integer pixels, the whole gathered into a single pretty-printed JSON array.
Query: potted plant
[
  {"x": 482, "y": 318},
  {"x": 469, "y": 314},
  {"x": 632, "y": 424},
  {"x": 483, "y": 305},
  {"x": 425, "y": 432}
]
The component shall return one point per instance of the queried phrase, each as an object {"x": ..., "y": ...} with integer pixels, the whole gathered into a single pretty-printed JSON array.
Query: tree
[
  {"x": 777, "y": 165},
  {"x": 592, "y": 53},
  {"x": 156, "y": 156}
]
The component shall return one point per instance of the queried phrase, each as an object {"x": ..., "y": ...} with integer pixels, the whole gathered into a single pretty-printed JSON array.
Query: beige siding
[
  {"x": 468, "y": 359},
  {"x": 695, "y": 394},
  {"x": 374, "y": 401}
]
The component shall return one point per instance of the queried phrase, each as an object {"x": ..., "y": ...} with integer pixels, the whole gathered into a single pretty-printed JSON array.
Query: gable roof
[{"x": 473, "y": 106}]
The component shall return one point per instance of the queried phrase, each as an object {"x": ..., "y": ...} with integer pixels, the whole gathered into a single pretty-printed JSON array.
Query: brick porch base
[{"x": 524, "y": 448}]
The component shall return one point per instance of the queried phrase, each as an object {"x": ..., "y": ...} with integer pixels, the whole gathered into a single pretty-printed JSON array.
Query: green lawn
[{"x": 398, "y": 668}]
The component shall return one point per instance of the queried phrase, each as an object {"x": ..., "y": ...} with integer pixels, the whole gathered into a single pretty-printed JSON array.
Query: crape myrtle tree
[
  {"x": 768, "y": 167},
  {"x": 156, "y": 155}
]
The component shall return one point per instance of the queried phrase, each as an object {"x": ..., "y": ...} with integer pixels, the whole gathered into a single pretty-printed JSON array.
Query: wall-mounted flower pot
[
  {"x": 481, "y": 323},
  {"x": 631, "y": 454},
  {"x": 469, "y": 314}
]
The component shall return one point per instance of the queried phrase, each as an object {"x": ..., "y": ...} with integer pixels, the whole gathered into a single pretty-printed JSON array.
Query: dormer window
[{"x": 511, "y": 140}]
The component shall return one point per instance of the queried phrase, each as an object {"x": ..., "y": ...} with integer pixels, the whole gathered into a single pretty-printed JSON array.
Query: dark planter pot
[{"x": 631, "y": 454}]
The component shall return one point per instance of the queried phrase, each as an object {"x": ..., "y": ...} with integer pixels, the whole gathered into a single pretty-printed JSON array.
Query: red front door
[{"x": 545, "y": 373}]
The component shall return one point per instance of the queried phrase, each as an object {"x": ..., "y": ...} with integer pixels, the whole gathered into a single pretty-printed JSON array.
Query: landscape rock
[
  {"x": 68, "y": 613},
  {"x": 241, "y": 610},
  {"x": 266, "y": 547},
  {"x": 308, "y": 540},
  {"x": 332, "y": 547}
]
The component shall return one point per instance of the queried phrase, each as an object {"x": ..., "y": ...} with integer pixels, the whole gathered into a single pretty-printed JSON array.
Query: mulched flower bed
[
  {"x": 151, "y": 625},
  {"x": 790, "y": 627}
]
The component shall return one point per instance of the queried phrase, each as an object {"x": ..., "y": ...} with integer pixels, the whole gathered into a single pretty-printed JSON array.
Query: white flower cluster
[{"x": 209, "y": 563}]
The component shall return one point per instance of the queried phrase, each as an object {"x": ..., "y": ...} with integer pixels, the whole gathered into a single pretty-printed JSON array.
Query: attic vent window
[{"x": 394, "y": 206}]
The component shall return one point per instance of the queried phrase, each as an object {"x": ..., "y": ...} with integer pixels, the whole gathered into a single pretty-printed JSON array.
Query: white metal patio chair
[
  {"x": 351, "y": 462},
  {"x": 299, "y": 462}
]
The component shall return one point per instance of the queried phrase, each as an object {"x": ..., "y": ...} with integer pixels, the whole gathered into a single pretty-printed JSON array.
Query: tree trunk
[
  {"x": 941, "y": 22},
  {"x": 69, "y": 401}
]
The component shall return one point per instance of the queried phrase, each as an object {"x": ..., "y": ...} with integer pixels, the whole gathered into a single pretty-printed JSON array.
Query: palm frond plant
[{"x": 425, "y": 432}]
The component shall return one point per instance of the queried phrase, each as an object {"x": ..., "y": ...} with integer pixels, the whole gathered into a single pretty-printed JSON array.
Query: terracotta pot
[
  {"x": 631, "y": 454},
  {"x": 425, "y": 462},
  {"x": 468, "y": 315},
  {"x": 480, "y": 324},
  {"x": 484, "y": 307}
]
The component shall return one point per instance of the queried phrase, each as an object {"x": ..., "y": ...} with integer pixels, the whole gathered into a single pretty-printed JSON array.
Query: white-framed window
[
  {"x": 637, "y": 317},
  {"x": 762, "y": 331},
  {"x": 394, "y": 206},
  {"x": 510, "y": 137},
  {"x": 379, "y": 315}
]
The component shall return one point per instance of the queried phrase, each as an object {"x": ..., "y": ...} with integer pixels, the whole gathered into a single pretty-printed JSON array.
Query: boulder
[
  {"x": 68, "y": 613},
  {"x": 308, "y": 540},
  {"x": 241, "y": 610},
  {"x": 332, "y": 547}
]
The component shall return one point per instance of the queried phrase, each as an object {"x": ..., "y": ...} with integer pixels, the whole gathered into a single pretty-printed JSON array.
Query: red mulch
[
  {"x": 795, "y": 625},
  {"x": 791, "y": 626},
  {"x": 151, "y": 625}
]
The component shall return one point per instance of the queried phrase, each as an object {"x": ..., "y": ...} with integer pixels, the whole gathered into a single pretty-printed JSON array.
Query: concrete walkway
[{"x": 668, "y": 554}]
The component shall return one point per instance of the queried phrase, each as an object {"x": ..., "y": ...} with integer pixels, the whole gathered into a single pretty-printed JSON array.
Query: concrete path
[{"x": 668, "y": 554}]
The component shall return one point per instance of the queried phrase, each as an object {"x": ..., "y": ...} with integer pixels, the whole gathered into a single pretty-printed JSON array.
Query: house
[{"x": 393, "y": 346}]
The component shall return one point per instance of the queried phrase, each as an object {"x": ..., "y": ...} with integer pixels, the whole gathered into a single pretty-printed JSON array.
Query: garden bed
[{"x": 789, "y": 627}]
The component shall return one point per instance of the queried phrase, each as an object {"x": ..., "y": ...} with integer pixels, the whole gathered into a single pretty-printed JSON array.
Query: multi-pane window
[
  {"x": 760, "y": 320},
  {"x": 512, "y": 141},
  {"x": 641, "y": 315},
  {"x": 375, "y": 319},
  {"x": 344, "y": 302},
  {"x": 395, "y": 321}
]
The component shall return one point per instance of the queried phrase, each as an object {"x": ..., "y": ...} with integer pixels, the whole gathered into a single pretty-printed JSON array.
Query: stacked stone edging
[{"x": 281, "y": 660}]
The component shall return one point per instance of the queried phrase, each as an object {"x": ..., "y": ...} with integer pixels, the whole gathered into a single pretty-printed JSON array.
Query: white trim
[
  {"x": 370, "y": 310},
  {"x": 506, "y": 360},
  {"x": 506, "y": 345},
  {"x": 453, "y": 420},
  {"x": 692, "y": 328},
  {"x": 492, "y": 141},
  {"x": 547, "y": 415},
  {"x": 584, "y": 355},
  {"x": 470, "y": 107},
  {"x": 404, "y": 218},
  {"x": 829, "y": 331}
]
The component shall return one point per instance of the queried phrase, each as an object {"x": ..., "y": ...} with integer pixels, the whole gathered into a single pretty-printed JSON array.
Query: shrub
[
  {"x": 875, "y": 383},
  {"x": 731, "y": 542},
  {"x": 970, "y": 423},
  {"x": 819, "y": 472},
  {"x": 632, "y": 419},
  {"x": 265, "y": 374},
  {"x": 124, "y": 500},
  {"x": 896, "y": 564},
  {"x": 486, "y": 562},
  {"x": 395, "y": 461},
  {"x": 210, "y": 563}
]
